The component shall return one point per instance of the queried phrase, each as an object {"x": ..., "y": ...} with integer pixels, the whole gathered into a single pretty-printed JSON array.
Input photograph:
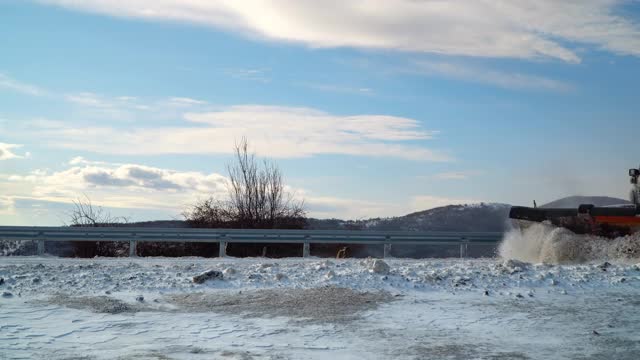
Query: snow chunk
[
  {"x": 512, "y": 266},
  {"x": 229, "y": 271},
  {"x": 207, "y": 275},
  {"x": 377, "y": 266},
  {"x": 324, "y": 265}
]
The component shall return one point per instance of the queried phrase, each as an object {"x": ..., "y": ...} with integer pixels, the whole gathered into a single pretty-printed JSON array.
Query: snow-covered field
[{"x": 317, "y": 309}]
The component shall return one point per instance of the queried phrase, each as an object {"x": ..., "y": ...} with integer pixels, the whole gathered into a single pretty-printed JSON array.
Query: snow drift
[{"x": 545, "y": 243}]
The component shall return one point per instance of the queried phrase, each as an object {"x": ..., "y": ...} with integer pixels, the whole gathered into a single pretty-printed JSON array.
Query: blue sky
[{"x": 370, "y": 108}]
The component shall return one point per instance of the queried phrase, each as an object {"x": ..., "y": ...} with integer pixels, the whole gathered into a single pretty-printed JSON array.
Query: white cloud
[
  {"x": 487, "y": 28},
  {"x": 283, "y": 132},
  {"x": 17, "y": 86},
  {"x": 79, "y": 160},
  {"x": 507, "y": 80},
  {"x": 426, "y": 202},
  {"x": 7, "y": 153},
  {"x": 117, "y": 185}
]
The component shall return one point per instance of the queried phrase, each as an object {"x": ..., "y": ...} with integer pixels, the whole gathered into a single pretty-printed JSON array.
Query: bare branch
[{"x": 85, "y": 214}]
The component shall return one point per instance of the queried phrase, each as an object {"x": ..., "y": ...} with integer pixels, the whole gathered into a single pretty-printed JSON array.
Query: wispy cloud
[
  {"x": 507, "y": 80},
  {"x": 6, "y": 151},
  {"x": 340, "y": 88},
  {"x": 496, "y": 28},
  {"x": 131, "y": 108},
  {"x": 99, "y": 101},
  {"x": 92, "y": 100},
  {"x": 453, "y": 175},
  {"x": 283, "y": 132},
  {"x": 11, "y": 84},
  {"x": 256, "y": 74},
  {"x": 185, "y": 101},
  {"x": 117, "y": 106}
]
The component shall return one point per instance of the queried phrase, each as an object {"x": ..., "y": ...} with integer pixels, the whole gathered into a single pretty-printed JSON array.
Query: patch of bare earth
[
  {"x": 98, "y": 304},
  {"x": 326, "y": 304}
]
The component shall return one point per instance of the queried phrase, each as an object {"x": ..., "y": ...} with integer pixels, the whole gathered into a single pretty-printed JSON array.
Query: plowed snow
[{"x": 544, "y": 243}]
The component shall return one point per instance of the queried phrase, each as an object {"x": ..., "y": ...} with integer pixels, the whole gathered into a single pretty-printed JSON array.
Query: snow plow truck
[{"x": 607, "y": 221}]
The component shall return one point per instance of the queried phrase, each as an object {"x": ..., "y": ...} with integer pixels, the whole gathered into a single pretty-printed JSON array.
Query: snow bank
[
  {"x": 545, "y": 243},
  {"x": 127, "y": 278}
]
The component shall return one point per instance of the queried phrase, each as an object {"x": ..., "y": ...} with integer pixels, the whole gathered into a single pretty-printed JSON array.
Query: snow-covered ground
[{"x": 317, "y": 309}]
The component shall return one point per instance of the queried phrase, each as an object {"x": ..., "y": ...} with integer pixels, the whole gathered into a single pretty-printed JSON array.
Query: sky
[{"x": 370, "y": 108}]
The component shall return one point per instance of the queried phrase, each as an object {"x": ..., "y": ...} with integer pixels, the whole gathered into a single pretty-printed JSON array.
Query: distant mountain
[
  {"x": 157, "y": 224},
  {"x": 475, "y": 217},
  {"x": 575, "y": 201}
]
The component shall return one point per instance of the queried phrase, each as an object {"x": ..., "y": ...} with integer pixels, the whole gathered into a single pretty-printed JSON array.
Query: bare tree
[
  {"x": 85, "y": 214},
  {"x": 257, "y": 197}
]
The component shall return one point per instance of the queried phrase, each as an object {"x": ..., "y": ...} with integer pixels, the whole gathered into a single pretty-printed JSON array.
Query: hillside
[{"x": 475, "y": 217}]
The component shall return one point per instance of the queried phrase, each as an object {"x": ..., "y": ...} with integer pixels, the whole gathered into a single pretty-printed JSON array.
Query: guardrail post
[
  {"x": 464, "y": 248},
  {"x": 222, "y": 251},
  {"x": 133, "y": 246},
  {"x": 387, "y": 248},
  {"x": 40, "y": 243},
  {"x": 306, "y": 247}
]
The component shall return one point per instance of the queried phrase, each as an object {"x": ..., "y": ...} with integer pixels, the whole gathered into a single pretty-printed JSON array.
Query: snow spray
[{"x": 545, "y": 243}]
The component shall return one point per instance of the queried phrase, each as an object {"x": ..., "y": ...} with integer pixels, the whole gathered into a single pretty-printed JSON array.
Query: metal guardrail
[{"x": 225, "y": 236}]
